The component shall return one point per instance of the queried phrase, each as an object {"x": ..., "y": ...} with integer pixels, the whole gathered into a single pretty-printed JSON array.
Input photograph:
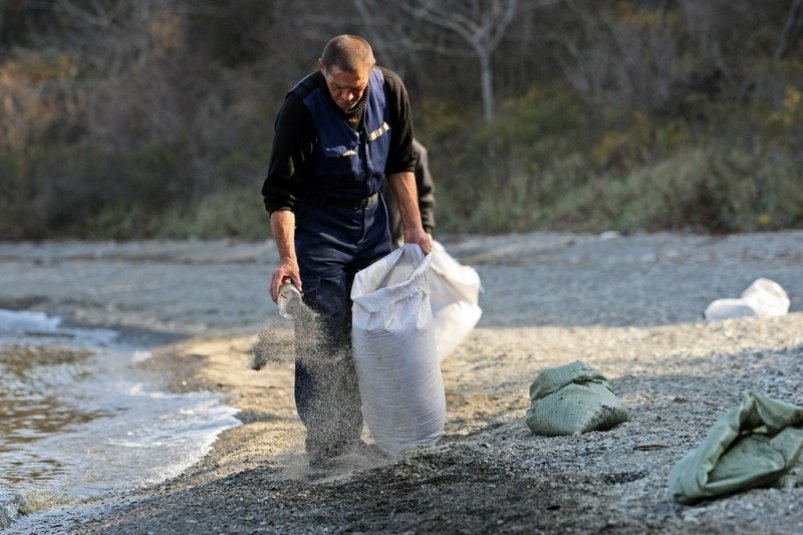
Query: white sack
[
  {"x": 455, "y": 291},
  {"x": 767, "y": 298},
  {"x": 393, "y": 334},
  {"x": 763, "y": 297},
  {"x": 730, "y": 308}
]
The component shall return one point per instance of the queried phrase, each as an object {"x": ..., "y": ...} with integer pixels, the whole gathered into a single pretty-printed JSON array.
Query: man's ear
[{"x": 321, "y": 66}]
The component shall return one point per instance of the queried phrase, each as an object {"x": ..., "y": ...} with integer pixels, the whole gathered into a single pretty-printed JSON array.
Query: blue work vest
[{"x": 351, "y": 163}]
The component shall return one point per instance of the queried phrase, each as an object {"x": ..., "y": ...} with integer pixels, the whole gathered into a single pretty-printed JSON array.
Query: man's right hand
[
  {"x": 283, "y": 223},
  {"x": 288, "y": 269}
]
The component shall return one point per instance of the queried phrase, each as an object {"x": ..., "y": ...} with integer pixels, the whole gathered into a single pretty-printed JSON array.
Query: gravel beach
[{"x": 630, "y": 306}]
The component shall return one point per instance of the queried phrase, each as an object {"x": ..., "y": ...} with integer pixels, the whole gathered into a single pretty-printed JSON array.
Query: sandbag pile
[{"x": 572, "y": 399}]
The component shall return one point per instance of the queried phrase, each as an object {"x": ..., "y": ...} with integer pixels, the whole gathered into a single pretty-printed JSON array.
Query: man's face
[{"x": 346, "y": 87}]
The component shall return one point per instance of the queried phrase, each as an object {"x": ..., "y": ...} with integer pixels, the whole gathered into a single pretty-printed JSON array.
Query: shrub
[{"x": 236, "y": 213}]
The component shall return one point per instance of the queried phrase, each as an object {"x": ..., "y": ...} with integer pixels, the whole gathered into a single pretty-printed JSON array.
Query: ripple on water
[{"x": 79, "y": 422}]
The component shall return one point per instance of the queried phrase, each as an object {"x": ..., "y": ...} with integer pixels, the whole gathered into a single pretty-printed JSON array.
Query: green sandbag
[
  {"x": 759, "y": 444},
  {"x": 572, "y": 399}
]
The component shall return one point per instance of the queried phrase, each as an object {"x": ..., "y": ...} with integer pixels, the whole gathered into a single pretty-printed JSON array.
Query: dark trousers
[{"x": 332, "y": 245}]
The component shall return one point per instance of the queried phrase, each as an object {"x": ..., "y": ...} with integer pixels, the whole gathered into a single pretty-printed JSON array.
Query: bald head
[{"x": 348, "y": 53}]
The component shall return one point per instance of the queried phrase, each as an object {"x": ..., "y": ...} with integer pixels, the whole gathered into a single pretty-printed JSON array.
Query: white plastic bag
[
  {"x": 767, "y": 298},
  {"x": 729, "y": 308},
  {"x": 763, "y": 297},
  {"x": 455, "y": 291},
  {"x": 393, "y": 334}
]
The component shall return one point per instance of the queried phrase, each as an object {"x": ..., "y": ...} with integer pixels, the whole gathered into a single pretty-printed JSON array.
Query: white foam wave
[{"x": 19, "y": 322}]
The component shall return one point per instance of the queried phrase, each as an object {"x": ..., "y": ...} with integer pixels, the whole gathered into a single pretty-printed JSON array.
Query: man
[
  {"x": 339, "y": 132},
  {"x": 426, "y": 197}
]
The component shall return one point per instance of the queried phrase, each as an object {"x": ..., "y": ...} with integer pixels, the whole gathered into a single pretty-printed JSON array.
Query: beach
[{"x": 630, "y": 306}]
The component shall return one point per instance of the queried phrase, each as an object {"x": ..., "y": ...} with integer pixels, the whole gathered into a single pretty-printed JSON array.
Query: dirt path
[{"x": 629, "y": 306}]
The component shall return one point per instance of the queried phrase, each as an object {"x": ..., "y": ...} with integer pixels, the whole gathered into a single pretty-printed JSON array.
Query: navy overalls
[{"x": 341, "y": 228}]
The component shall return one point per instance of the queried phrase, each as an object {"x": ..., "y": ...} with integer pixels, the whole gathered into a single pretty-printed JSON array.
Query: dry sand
[{"x": 629, "y": 306}]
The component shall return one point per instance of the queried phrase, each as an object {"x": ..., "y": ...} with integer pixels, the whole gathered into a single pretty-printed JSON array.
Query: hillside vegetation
[{"x": 154, "y": 118}]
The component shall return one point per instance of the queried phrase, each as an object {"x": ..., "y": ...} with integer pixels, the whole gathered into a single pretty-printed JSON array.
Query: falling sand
[{"x": 274, "y": 346}]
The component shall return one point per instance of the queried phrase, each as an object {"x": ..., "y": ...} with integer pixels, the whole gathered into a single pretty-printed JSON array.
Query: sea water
[{"x": 79, "y": 421}]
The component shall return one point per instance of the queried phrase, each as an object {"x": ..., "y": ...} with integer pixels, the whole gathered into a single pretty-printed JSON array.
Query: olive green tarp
[
  {"x": 570, "y": 399},
  {"x": 759, "y": 444}
]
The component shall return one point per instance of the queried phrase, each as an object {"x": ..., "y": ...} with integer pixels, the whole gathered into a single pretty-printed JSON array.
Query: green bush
[
  {"x": 51, "y": 191},
  {"x": 235, "y": 213},
  {"x": 60, "y": 191},
  {"x": 702, "y": 189},
  {"x": 735, "y": 170}
]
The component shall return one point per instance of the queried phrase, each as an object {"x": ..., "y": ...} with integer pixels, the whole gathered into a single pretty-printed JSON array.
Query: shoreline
[
  {"x": 264, "y": 400},
  {"x": 87, "y": 422},
  {"x": 628, "y": 306}
]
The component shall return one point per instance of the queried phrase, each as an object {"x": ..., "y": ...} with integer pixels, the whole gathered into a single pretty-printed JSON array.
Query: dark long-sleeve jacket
[
  {"x": 426, "y": 195},
  {"x": 295, "y": 143}
]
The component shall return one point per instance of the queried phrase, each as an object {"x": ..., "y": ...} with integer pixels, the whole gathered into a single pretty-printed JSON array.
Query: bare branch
[
  {"x": 481, "y": 25},
  {"x": 791, "y": 26}
]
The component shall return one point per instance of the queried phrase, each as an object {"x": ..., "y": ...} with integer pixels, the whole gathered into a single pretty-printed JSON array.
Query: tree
[{"x": 479, "y": 24}]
